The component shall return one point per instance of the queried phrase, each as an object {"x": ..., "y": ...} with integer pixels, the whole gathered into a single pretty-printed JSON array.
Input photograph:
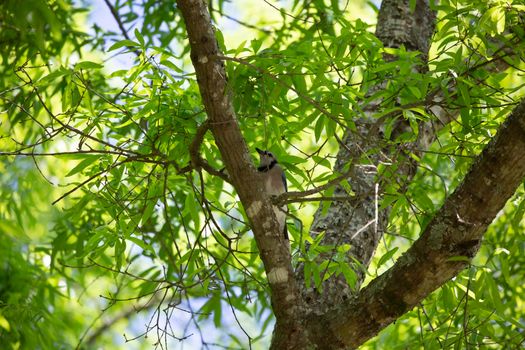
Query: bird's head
[{"x": 267, "y": 159}]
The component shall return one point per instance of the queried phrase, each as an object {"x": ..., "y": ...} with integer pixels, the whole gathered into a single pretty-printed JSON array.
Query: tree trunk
[
  {"x": 360, "y": 224},
  {"x": 339, "y": 318}
]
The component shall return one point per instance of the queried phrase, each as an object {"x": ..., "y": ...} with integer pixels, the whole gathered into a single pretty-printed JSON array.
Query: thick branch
[
  {"x": 211, "y": 77},
  {"x": 456, "y": 230}
]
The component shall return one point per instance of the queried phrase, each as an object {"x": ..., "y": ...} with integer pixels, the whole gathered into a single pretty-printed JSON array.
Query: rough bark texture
[
  {"x": 456, "y": 230},
  {"x": 339, "y": 319},
  {"x": 359, "y": 224},
  {"x": 398, "y": 25},
  {"x": 273, "y": 248}
]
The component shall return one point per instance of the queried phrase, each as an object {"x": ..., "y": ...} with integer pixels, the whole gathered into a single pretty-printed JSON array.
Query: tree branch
[
  {"x": 211, "y": 77},
  {"x": 455, "y": 231}
]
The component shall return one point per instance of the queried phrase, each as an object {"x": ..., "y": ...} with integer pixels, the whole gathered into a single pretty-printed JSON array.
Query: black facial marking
[{"x": 266, "y": 168}]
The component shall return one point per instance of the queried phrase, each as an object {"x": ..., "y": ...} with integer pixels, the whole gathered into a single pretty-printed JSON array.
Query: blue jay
[{"x": 274, "y": 184}]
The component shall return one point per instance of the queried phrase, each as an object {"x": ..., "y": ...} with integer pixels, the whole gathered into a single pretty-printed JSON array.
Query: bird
[{"x": 274, "y": 184}]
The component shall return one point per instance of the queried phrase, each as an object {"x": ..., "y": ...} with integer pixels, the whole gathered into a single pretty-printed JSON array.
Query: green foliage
[
  {"x": 337, "y": 263},
  {"x": 136, "y": 236}
]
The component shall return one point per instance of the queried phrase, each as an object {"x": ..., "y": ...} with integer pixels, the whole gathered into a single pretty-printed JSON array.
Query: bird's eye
[{"x": 270, "y": 155}]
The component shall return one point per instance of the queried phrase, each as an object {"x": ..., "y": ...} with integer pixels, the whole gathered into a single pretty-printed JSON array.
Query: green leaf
[
  {"x": 241, "y": 48},
  {"x": 459, "y": 258},
  {"x": 316, "y": 273},
  {"x": 122, "y": 43},
  {"x": 54, "y": 75},
  {"x": 494, "y": 20},
  {"x": 349, "y": 274},
  {"x": 147, "y": 287},
  {"x": 288, "y": 158},
  {"x": 172, "y": 66},
  {"x": 220, "y": 39},
  {"x": 318, "y": 129},
  {"x": 139, "y": 37},
  {"x": 414, "y": 91},
  {"x": 299, "y": 81},
  {"x": 447, "y": 297},
  {"x": 88, "y": 65},
  {"x": 322, "y": 161},
  {"x": 191, "y": 206},
  {"x": 120, "y": 249},
  {"x": 493, "y": 292},
  {"x": 423, "y": 201},
  {"x": 256, "y": 45},
  {"x": 141, "y": 243},
  {"x": 89, "y": 159},
  {"x": 465, "y": 95},
  {"x": 148, "y": 211},
  {"x": 387, "y": 256},
  {"x": 4, "y": 323}
]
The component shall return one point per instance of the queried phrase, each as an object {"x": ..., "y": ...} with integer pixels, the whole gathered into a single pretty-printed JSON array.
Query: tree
[{"x": 412, "y": 136}]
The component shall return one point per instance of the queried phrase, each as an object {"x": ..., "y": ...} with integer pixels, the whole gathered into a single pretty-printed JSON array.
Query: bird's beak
[{"x": 260, "y": 151}]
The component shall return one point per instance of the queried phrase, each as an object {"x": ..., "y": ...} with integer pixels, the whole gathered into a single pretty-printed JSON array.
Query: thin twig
[{"x": 116, "y": 16}]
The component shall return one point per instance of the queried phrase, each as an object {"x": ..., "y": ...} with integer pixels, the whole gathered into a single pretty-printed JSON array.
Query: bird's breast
[{"x": 274, "y": 183}]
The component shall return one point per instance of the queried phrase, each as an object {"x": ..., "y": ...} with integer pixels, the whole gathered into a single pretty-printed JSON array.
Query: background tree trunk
[{"x": 360, "y": 223}]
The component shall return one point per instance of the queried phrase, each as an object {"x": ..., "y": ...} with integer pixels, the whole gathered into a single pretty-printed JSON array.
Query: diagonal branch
[
  {"x": 211, "y": 77},
  {"x": 455, "y": 231}
]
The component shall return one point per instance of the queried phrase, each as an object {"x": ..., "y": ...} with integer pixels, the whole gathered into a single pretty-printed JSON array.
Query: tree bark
[
  {"x": 360, "y": 224},
  {"x": 273, "y": 248},
  {"x": 455, "y": 231},
  {"x": 341, "y": 319}
]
